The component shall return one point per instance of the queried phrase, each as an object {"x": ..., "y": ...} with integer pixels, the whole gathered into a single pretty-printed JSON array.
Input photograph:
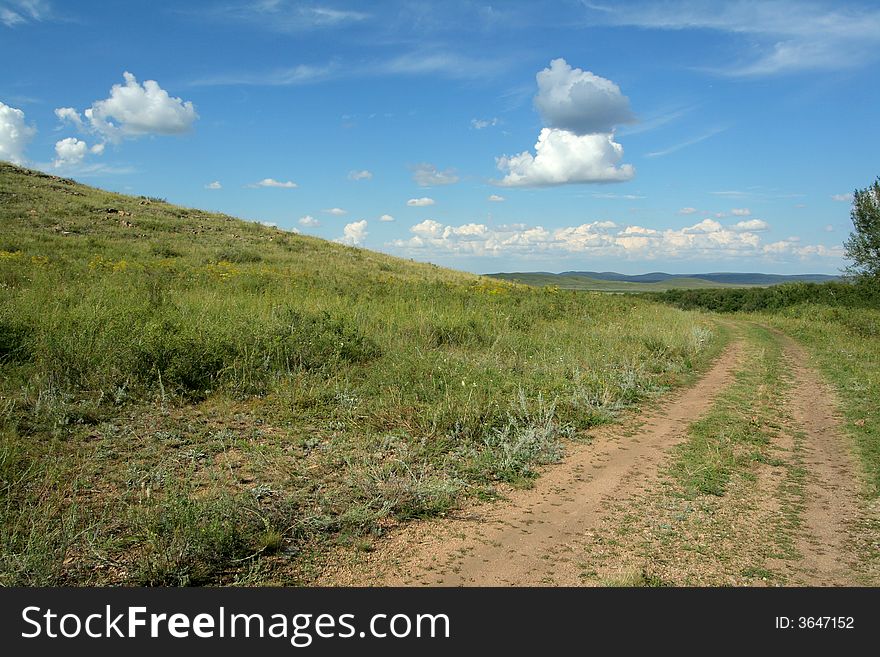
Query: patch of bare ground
[
  {"x": 836, "y": 520},
  {"x": 537, "y": 536},
  {"x": 792, "y": 515}
]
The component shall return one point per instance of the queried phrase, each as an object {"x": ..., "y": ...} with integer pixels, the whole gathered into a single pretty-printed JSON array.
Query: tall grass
[{"x": 326, "y": 390}]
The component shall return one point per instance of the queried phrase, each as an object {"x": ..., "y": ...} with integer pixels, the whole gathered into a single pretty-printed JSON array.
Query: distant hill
[{"x": 655, "y": 281}]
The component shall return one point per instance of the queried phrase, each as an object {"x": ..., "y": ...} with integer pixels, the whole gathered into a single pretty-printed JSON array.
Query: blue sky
[{"x": 681, "y": 136}]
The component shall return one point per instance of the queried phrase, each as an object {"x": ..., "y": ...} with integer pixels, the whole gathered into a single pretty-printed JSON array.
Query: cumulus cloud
[
  {"x": 707, "y": 239},
  {"x": 309, "y": 221},
  {"x": 354, "y": 233},
  {"x": 752, "y": 225},
  {"x": 214, "y": 185},
  {"x": 427, "y": 175},
  {"x": 69, "y": 152},
  {"x": 579, "y": 101},
  {"x": 581, "y": 111},
  {"x": 495, "y": 198},
  {"x": 563, "y": 157},
  {"x": 14, "y": 134},
  {"x": 845, "y": 198},
  {"x": 420, "y": 202},
  {"x": 386, "y": 218},
  {"x": 688, "y": 211},
  {"x": 271, "y": 182},
  {"x": 740, "y": 212},
  {"x": 360, "y": 175},
  {"x": 69, "y": 115},
  {"x": 133, "y": 110},
  {"x": 336, "y": 212}
]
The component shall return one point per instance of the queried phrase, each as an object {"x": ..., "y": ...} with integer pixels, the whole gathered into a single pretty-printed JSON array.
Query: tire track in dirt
[
  {"x": 831, "y": 508},
  {"x": 535, "y": 537}
]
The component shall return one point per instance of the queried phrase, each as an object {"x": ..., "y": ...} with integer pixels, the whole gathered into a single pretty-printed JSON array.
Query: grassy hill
[{"x": 188, "y": 398}]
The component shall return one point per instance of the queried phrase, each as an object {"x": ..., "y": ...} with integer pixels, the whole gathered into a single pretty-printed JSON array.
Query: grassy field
[
  {"x": 187, "y": 398},
  {"x": 840, "y": 324},
  {"x": 596, "y": 285}
]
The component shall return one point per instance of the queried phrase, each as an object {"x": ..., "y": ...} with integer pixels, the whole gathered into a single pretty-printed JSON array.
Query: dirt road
[
  {"x": 601, "y": 507},
  {"x": 533, "y": 538}
]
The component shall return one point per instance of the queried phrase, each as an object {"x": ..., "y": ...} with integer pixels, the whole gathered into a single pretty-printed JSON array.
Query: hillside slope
[{"x": 188, "y": 398}]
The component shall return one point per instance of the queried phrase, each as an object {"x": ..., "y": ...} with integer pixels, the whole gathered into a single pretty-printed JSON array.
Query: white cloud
[
  {"x": 214, "y": 185},
  {"x": 271, "y": 182},
  {"x": 686, "y": 143},
  {"x": 581, "y": 110},
  {"x": 420, "y": 202},
  {"x": 14, "y": 134},
  {"x": 562, "y": 157},
  {"x": 360, "y": 175},
  {"x": 579, "y": 101},
  {"x": 301, "y": 74},
  {"x": 97, "y": 149},
  {"x": 133, "y": 110},
  {"x": 337, "y": 212},
  {"x": 829, "y": 228},
  {"x": 354, "y": 233},
  {"x": 386, "y": 218},
  {"x": 707, "y": 240},
  {"x": 309, "y": 221},
  {"x": 69, "y": 152},
  {"x": 688, "y": 211},
  {"x": 846, "y": 198},
  {"x": 70, "y": 115},
  {"x": 754, "y": 225},
  {"x": 627, "y": 197},
  {"x": 482, "y": 124},
  {"x": 778, "y": 36},
  {"x": 495, "y": 198},
  {"x": 9, "y": 18},
  {"x": 740, "y": 212},
  {"x": 427, "y": 175},
  {"x": 16, "y": 12}
]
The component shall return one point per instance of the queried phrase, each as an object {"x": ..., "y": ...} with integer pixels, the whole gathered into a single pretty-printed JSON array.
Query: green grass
[
  {"x": 845, "y": 343},
  {"x": 740, "y": 426},
  {"x": 188, "y": 398}
]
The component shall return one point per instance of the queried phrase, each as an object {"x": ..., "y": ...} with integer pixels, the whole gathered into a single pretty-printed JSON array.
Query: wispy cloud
[
  {"x": 416, "y": 63},
  {"x": 655, "y": 121},
  {"x": 283, "y": 15},
  {"x": 18, "y": 12},
  {"x": 624, "y": 197},
  {"x": 428, "y": 175},
  {"x": 780, "y": 36},
  {"x": 482, "y": 124},
  {"x": 360, "y": 175},
  {"x": 685, "y": 144},
  {"x": 271, "y": 182},
  {"x": 280, "y": 77}
]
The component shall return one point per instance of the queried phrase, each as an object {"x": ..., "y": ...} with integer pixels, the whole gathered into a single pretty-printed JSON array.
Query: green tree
[{"x": 863, "y": 245}]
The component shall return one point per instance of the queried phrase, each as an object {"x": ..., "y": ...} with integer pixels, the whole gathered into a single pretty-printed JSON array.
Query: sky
[{"x": 678, "y": 136}]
